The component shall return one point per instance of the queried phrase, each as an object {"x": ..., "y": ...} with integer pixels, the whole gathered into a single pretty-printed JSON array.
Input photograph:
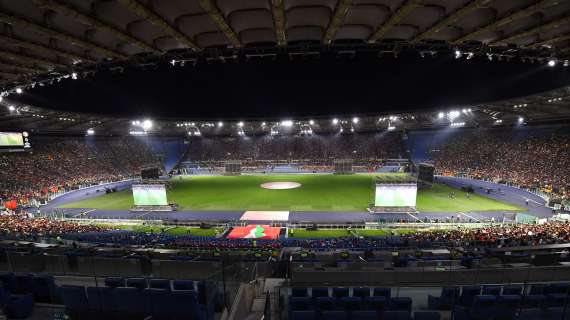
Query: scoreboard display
[{"x": 14, "y": 141}]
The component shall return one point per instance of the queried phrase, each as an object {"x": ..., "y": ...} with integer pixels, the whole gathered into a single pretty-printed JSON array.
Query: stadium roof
[
  {"x": 552, "y": 107},
  {"x": 48, "y": 39}
]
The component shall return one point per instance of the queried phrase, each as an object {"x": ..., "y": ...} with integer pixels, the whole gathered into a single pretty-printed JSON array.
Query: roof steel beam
[
  {"x": 215, "y": 14},
  {"x": 551, "y": 41},
  {"x": 20, "y": 69},
  {"x": 42, "y": 48},
  {"x": 451, "y": 19},
  {"x": 403, "y": 11},
  {"x": 24, "y": 23},
  {"x": 31, "y": 59},
  {"x": 337, "y": 20},
  {"x": 73, "y": 13},
  {"x": 279, "y": 21},
  {"x": 523, "y": 13},
  {"x": 532, "y": 31},
  {"x": 158, "y": 21}
]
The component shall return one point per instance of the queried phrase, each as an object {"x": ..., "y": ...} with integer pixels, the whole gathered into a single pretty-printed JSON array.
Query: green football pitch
[{"x": 319, "y": 192}]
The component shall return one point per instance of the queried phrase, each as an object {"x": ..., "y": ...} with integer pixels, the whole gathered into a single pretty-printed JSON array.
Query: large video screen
[
  {"x": 149, "y": 195},
  {"x": 11, "y": 139},
  {"x": 396, "y": 195}
]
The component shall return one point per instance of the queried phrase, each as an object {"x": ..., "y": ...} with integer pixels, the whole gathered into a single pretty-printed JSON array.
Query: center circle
[{"x": 280, "y": 185}]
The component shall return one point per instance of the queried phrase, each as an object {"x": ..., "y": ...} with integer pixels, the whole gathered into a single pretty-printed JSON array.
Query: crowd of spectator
[
  {"x": 22, "y": 226},
  {"x": 288, "y": 147},
  {"x": 541, "y": 162},
  {"x": 64, "y": 163}
]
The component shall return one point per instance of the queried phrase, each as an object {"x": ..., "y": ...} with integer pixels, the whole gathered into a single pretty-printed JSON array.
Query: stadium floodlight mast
[
  {"x": 19, "y": 90},
  {"x": 552, "y": 63}
]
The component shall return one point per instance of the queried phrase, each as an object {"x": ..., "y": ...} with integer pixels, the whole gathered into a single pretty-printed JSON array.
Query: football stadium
[{"x": 285, "y": 159}]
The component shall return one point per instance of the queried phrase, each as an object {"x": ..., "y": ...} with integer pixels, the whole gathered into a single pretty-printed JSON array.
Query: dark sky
[{"x": 275, "y": 89}]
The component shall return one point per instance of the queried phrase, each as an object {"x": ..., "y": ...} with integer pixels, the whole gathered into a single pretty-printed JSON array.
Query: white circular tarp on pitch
[{"x": 280, "y": 185}]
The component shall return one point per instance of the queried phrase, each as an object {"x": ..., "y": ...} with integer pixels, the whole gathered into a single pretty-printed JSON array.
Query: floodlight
[
  {"x": 90, "y": 132},
  {"x": 11, "y": 108},
  {"x": 74, "y": 76},
  {"x": 551, "y": 63},
  {"x": 263, "y": 124},
  {"x": 147, "y": 124},
  {"x": 458, "y": 54},
  {"x": 341, "y": 130},
  {"x": 355, "y": 120},
  {"x": 220, "y": 124},
  {"x": 19, "y": 90},
  {"x": 311, "y": 122},
  {"x": 335, "y": 121},
  {"x": 521, "y": 119},
  {"x": 240, "y": 124},
  {"x": 287, "y": 123},
  {"x": 351, "y": 129},
  {"x": 1, "y": 98}
]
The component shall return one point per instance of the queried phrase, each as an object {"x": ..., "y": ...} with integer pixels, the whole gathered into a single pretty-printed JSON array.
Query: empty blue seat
[
  {"x": 375, "y": 303},
  {"x": 320, "y": 292},
  {"x": 334, "y": 315},
  {"x": 396, "y": 315},
  {"x": 491, "y": 290},
  {"x": 351, "y": 303},
  {"x": 364, "y": 315},
  {"x": 449, "y": 296},
  {"x": 75, "y": 299},
  {"x": 138, "y": 283},
  {"x": 556, "y": 299},
  {"x": 303, "y": 315},
  {"x": 299, "y": 292},
  {"x": 468, "y": 294},
  {"x": 427, "y": 315},
  {"x": 183, "y": 285},
  {"x": 94, "y": 304},
  {"x": 160, "y": 284},
  {"x": 512, "y": 290},
  {"x": 361, "y": 292},
  {"x": 44, "y": 289},
  {"x": 325, "y": 303},
  {"x": 9, "y": 282},
  {"x": 114, "y": 282},
  {"x": 537, "y": 289},
  {"x": 506, "y": 307},
  {"x": 382, "y": 292},
  {"x": 20, "y": 307},
  {"x": 401, "y": 304},
  {"x": 300, "y": 303},
  {"x": 175, "y": 304},
  {"x": 340, "y": 292},
  {"x": 557, "y": 288},
  {"x": 25, "y": 283},
  {"x": 534, "y": 301},
  {"x": 483, "y": 307},
  {"x": 131, "y": 302}
]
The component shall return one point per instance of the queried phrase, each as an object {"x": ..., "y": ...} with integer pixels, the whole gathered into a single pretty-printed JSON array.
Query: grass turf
[{"x": 325, "y": 192}]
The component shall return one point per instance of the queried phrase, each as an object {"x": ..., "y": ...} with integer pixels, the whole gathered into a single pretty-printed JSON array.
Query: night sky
[{"x": 287, "y": 89}]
